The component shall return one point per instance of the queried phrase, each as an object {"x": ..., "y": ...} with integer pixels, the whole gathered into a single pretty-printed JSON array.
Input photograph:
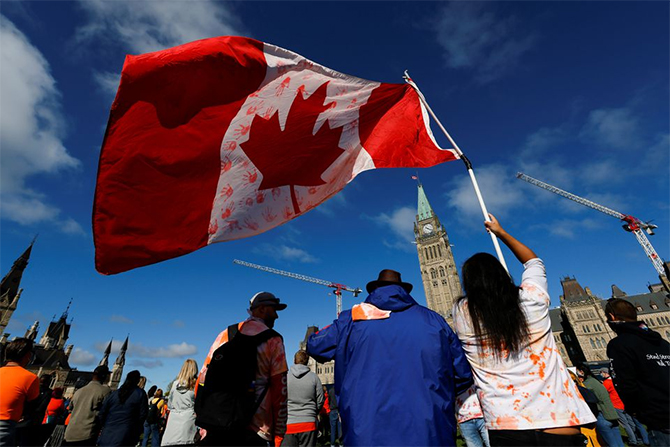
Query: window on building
[
  {"x": 667, "y": 320},
  {"x": 595, "y": 328},
  {"x": 667, "y": 335},
  {"x": 598, "y": 343},
  {"x": 653, "y": 305},
  {"x": 439, "y": 251},
  {"x": 567, "y": 338},
  {"x": 593, "y": 345},
  {"x": 639, "y": 308},
  {"x": 434, "y": 283},
  {"x": 580, "y": 315},
  {"x": 444, "y": 282},
  {"x": 433, "y": 275},
  {"x": 603, "y": 342},
  {"x": 442, "y": 272},
  {"x": 425, "y": 250},
  {"x": 658, "y": 319}
]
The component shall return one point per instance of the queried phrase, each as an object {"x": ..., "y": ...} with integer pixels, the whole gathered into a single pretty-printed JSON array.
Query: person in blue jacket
[{"x": 398, "y": 369}]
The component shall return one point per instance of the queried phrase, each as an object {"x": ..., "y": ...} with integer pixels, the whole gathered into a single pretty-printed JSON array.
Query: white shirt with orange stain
[
  {"x": 531, "y": 389},
  {"x": 467, "y": 406}
]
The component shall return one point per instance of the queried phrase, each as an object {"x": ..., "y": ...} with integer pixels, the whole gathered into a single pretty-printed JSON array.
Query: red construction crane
[
  {"x": 631, "y": 224},
  {"x": 337, "y": 288}
]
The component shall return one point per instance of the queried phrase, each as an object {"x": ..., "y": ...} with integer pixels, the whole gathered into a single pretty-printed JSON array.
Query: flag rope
[{"x": 468, "y": 166}]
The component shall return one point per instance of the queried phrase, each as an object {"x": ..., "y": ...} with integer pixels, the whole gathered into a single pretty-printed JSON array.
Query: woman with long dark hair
[
  {"x": 123, "y": 413},
  {"x": 523, "y": 385}
]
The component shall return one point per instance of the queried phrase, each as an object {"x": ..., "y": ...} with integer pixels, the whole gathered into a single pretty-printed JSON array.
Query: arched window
[
  {"x": 439, "y": 251},
  {"x": 598, "y": 343},
  {"x": 433, "y": 275},
  {"x": 659, "y": 320},
  {"x": 593, "y": 345},
  {"x": 425, "y": 249},
  {"x": 603, "y": 342},
  {"x": 441, "y": 271}
]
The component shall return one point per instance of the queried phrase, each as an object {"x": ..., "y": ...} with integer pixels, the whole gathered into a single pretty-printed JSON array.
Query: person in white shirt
[{"x": 526, "y": 394}]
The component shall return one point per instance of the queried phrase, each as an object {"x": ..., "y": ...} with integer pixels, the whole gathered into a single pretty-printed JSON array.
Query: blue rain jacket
[{"x": 396, "y": 379}]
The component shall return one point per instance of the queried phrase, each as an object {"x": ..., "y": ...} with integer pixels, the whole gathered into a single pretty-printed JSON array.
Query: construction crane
[
  {"x": 337, "y": 288},
  {"x": 630, "y": 223}
]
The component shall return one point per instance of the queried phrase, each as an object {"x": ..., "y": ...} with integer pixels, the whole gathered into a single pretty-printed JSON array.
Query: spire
[
  {"x": 67, "y": 309},
  {"x": 121, "y": 359},
  {"x": 31, "y": 333},
  {"x": 105, "y": 357},
  {"x": 617, "y": 292},
  {"x": 10, "y": 283},
  {"x": 424, "y": 211},
  {"x": 572, "y": 290}
]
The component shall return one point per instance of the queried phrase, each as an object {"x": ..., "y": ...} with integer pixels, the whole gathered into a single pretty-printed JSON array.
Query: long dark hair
[
  {"x": 493, "y": 303},
  {"x": 132, "y": 379}
]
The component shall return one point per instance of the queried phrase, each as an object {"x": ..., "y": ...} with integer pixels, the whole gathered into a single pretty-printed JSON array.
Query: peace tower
[{"x": 438, "y": 269}]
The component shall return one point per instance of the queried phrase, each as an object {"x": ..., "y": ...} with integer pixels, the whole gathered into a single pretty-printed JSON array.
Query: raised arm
[{"x": 522, "y": 253}]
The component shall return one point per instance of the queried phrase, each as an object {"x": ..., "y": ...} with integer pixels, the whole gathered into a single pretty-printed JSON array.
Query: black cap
[{"x": 265, "y": 299}]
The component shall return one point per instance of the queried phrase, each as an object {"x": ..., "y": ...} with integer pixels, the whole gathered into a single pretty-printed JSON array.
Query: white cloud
[
  {"x": 285, "y": 253},
  {"x": 71, "y": 226},
  {"x": 474, "y": 37},
  {"x": 136, "y": 349},
  {"x": 566, "y": 228},
  {"x": 143, "y": 26},
  {"x": 612, "y": 128},
  {"x": 108, "y": 82},
  {"x": 500, "y": 189},
  {"x": 150, "y": 364},
  {"x": 120, "y": 319},
  {"x": 401, "y": 224},
  {"x": 31, "y": 130},
  {"x": 82, "y": 357}
]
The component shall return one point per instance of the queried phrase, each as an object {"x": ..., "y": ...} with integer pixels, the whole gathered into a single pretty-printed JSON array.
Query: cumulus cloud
[
  {"x": 120, "y": 319},
  {"x": 283, "y": 252},
  {"x": 474, "y": 37},
  {"x": 31, "y": 131},
  {"x": 499, "y": 187},
  {"x": 136, "y": 349},
  {"x": 612, "y": 128},
  {"x": 82, "y": 357},
  {"x": 143, "y": 26},
  {"x": 147, "y": 363}
]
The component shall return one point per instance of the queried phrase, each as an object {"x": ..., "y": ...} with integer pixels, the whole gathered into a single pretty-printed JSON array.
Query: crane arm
[
  {"x": 575, "y": 198},
  {"x": 298, "y": 276}
]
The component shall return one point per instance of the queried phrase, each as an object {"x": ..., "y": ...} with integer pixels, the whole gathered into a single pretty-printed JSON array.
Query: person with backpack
[
  {"x": 152, "y": 427},
  {"x": 241, "y": 396}
]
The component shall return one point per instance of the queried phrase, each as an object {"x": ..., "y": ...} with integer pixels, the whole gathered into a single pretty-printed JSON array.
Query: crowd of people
[{"x": 403, "y": 376}]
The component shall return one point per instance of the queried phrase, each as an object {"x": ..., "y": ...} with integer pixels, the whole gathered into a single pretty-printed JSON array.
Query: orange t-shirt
[{"x": 17, "y": 385}]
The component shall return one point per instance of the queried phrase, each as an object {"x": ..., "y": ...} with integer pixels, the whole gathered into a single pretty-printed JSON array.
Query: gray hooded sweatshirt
[{"x": 305, "y": 395}]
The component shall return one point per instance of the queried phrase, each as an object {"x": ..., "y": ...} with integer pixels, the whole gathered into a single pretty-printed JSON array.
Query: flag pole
[{"x": 468, "y": 166}]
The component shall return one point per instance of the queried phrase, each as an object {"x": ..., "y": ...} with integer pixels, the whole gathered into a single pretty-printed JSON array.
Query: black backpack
[
  {"x": 153, "y": 415},
  {"x": 227, "y": 399}
]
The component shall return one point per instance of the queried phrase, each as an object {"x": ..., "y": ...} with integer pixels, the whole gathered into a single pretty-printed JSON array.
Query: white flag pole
[{"x": 468, "y": 166}]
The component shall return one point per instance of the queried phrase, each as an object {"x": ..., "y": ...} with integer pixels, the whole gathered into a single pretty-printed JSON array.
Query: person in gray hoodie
[{"x": 305, "y": 399}]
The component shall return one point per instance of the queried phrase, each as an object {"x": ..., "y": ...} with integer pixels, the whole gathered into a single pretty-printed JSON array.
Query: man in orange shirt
[
  {"x": 17, "y": 386},
  {"x": 627, "y": 421}
]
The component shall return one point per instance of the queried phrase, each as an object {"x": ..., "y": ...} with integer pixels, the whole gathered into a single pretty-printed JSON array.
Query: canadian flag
[{"x": 228, "y": 137}]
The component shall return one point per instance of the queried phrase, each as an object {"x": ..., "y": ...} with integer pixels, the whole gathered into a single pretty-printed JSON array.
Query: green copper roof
[{"x": 424, "y": 211}]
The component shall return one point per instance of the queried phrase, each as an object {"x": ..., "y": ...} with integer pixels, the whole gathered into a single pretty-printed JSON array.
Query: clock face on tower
[{"x": 428, "y": 228}]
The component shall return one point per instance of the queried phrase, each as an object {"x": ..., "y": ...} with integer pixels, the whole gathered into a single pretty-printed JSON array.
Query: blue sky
[{"x": 572, "y": 93}]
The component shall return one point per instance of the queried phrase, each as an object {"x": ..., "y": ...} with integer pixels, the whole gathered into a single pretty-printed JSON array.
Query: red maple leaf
[{"x": 295, "y": 156}]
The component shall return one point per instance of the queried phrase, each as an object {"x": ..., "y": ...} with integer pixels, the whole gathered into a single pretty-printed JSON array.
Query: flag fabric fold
[{"x": 228, "y": 137}]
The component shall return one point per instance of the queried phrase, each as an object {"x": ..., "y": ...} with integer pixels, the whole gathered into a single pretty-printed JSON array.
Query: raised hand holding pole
[{"x": 468, "y": 166}]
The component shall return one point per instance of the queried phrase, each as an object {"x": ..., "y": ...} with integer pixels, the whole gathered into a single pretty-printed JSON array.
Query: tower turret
[
  {"x": 10, "y": 290},
  {"x": 117, "y": 369},
  {"x": 438, "y": 268},
  {"x": 105, "y": 358}
]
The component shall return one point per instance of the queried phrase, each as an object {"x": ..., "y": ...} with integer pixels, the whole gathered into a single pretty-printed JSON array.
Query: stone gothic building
[
  {"x": 439, "y": 273},
  {"x": 51, "y": 354},
  {"x": 580, "y": 325}
]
